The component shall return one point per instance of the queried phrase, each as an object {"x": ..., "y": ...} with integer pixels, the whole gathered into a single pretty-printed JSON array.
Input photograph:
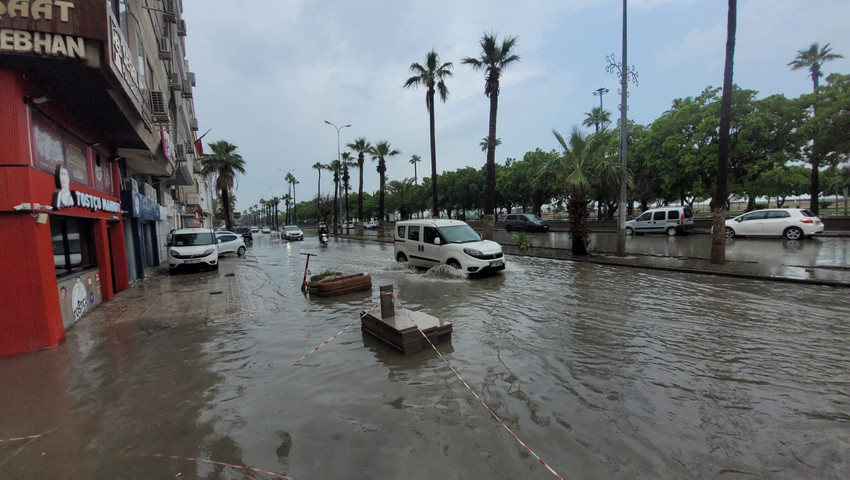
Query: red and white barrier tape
[
  {"x": 480, "y": 400},
  {"x": 223, "y": 464},
  {"x": 28, "y": 437},
  {"x": 333, "y": 337}
]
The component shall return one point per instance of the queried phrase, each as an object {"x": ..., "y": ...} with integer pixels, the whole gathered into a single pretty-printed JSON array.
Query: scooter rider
[{"x": 323, "y": 234}]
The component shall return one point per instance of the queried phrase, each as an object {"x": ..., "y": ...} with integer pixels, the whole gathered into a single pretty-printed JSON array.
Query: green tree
[
  {"x": 414, "y": 159},
  {"x": 401, "y": 195},
  {"x": 493, "y": 59},
  {"x": 813, "y": 59},
  {"x": 362, "y": 147},
  {"x": 582, "y": 165},
  {"x": 380, "y": 151},
  {"x": 223, "y": 165},
  {"x": 347, "y": 161},
  {"x": 433, "y": 77},
  {"x": 597, "y": 117},
  {"x": 335, "y": 166},
  {"x": 828, "y": 129},
  {"x": 319, "y": 167}
]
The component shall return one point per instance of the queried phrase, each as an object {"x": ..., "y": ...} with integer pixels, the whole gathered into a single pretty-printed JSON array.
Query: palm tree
[
  {"x": 494, "y": 58},
  {"x": 362, "y": 147},
  {"x": 812, "y": 58},
  {"x": 223, "y": 165},
  {"x": 582, "y": 166},
  {"x": 597, "y": 118},
  {"x": 414, "y": 159},
  {"x": 292, "y": 181},
  {"x": 485, "y": 142},
  {"x": 336, "y": 167},
  {"x": 379, "y": 152},
  {"x": 718, "y": 237},
  {"x": 347, "y": 161},
  {"x": 318, "y": 166},
  {"x": 402, "y": 191},
  {"x": 433, "y": 76}
]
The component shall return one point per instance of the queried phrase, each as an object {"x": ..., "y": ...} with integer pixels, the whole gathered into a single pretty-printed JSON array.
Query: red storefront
[
  {"x": 66, "y": 109},
  {"x": 61, "y": 229}
]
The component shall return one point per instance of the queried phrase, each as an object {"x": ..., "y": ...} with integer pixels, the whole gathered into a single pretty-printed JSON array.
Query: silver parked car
[{"x": 791, "y": 223}]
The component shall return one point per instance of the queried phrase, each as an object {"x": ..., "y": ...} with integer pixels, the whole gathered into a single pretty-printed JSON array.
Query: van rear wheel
[
  {"x": 508, "y": 228},
  {"x": 401, "y": 257},
  {"x": 671, "y": 231}
]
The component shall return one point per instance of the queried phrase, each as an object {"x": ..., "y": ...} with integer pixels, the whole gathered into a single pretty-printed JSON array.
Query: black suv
[
  {"x": 245, "y": 232},
  {"x": 526, "y": 221}
]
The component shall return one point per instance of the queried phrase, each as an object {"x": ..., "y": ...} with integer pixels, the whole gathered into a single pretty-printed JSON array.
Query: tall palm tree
[
  {"x": 718, "y": 236},
  {"x": 583, "y": 165},
  {"x": 597, "y": 117},
  {"x": 291, "y": 180},
  {"x": 319, "y": 166},
  {"x": 362, "y": 147},
  {"x": 485, "y": 143},
  {"x": 380, "y": 151},
  {"x": 347, "y": 161},
  {"x": 433, "y": 77},
  {"x": 812, "y": 58},
  {"x": 414, "y": 159},
  {"x": 336, "y": 167},
  {"x": 223, "y": 165},
  {"x": 493, "y": 59}
]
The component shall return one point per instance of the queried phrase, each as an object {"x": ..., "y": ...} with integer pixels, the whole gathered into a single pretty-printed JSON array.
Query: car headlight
[
  {"x": 174, "y": 253},
  {"x": 208, "y": 251},
  {"x": 473, "y": 252}
]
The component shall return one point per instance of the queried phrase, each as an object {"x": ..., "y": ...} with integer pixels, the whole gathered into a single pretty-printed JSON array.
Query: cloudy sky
[{"x": 270, "y": 72}]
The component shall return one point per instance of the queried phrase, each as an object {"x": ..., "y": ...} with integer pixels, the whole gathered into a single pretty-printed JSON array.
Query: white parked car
[
  {"x": 229, "y": 242},
  {"x": 427, "y": 243},
  {"x": 370, "y": 225},
  {"x": 192, "y": 247},
  {"x": 791, "y": 223}
]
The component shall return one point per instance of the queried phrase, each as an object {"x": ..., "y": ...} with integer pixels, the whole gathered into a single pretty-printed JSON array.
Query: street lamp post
[
  {"x": 338, "y": 159},
  {"x": 599, "y": 92}
]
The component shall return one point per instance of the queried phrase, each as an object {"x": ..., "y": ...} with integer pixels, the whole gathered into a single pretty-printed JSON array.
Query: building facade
[{"x": 97, "y": 156}]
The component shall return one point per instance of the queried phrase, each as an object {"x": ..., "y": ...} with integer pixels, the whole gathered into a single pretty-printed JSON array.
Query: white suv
[
  {"x": 427, "y": 243},
  {"x": 192, "y": 247}
]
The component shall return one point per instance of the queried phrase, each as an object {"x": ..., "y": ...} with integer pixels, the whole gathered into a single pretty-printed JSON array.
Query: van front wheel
[{"x": 453, "y": 263}]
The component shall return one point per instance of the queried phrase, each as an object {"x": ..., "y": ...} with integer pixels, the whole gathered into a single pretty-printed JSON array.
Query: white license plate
[
  {"x": 497, "y": 263},
  {"x": 191, "y": 261}
]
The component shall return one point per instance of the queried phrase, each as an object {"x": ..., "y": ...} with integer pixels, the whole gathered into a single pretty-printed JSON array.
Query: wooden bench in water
[{"x": 399, "y": 331}]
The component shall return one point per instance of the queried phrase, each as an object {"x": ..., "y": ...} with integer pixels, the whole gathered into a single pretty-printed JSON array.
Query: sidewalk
[{"x": 828, "y": 276}]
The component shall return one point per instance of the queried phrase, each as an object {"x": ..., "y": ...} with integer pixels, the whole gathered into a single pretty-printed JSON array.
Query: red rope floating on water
[
  {"x": 480, "y": 400},
  {"x": 223, "y": 464},
  {"x": 334, "y": 336}
]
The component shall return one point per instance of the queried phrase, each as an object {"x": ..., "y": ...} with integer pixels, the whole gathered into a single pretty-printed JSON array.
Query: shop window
[{"x": 73, "y": 244}]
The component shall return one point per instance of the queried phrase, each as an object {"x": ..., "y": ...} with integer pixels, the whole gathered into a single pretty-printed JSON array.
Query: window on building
[{"x": 73, "y": 244}]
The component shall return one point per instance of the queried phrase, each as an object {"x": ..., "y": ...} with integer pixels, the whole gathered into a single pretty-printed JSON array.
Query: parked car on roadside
[
  {"x": 292, "y": 232},
  {"x": 192, "y": 247},
  {"x": 670, "y": 220},
  {"x": 527, "y": 222},
  {"x": 428, "y": 243},
  {"x": 266, "y": 230},
  {"x": 230, "y": 242},
  {"x": 255, "y": 229},
  {"x": 370, "y": 225},
  {"x": 245, "y": 231},
  {"x": 791, "y": 223}
]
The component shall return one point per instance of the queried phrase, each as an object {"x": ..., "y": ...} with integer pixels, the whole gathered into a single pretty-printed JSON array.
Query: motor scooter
[{"x": 323, "y": 239}]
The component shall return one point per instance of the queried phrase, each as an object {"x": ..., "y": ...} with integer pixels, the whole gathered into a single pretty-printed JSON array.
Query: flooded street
[{"x": 604, "y": 372}]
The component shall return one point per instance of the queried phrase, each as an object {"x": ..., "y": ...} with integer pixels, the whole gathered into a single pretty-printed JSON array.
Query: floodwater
[{"x": 603, "y": 372}]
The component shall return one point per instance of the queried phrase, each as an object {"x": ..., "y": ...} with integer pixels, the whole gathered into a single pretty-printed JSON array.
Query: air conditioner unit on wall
[
  {"x": 158, "y": 110},
  {"x": 191, "y": 77},
  {"x": 193, "y": 124},
  {"x": 165, "y": 48},
  {"x": 187, "y": 89},
  {"x": 180, "y": 151},
  {"x": 174, "y": 82},
  {"x": 181, "y": 28}
]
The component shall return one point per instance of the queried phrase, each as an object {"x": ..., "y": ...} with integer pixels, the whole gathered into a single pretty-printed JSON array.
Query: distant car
[
  {"x": 292, "y": 232},
  {"x": 266, "y": 230},
  {"x": 192, "y": 247},
  {"x": 528, "y": 222},
  {"x": 230, "y": 242},
  {"x": 791, "y": 223},
  {"x": 370, "y": 225},
  {"x": 245, "y": 231},
  {"x": 255, "y": 229}
]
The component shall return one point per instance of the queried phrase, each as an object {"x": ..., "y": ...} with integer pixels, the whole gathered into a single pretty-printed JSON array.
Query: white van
[
  {"x": 427, "y": 243},
  {"x": 192, "y": 247},
  {"x": 669, "y": 220}
]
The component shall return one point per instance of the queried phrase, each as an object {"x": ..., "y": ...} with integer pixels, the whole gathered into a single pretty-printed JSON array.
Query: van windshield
[
  {"x": 192, "y": 239},
  {"x": 459, "y": 234}
]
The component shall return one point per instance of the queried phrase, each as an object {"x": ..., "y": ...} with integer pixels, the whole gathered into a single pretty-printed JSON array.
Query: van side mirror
[{"x": 437, "y": 241}]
